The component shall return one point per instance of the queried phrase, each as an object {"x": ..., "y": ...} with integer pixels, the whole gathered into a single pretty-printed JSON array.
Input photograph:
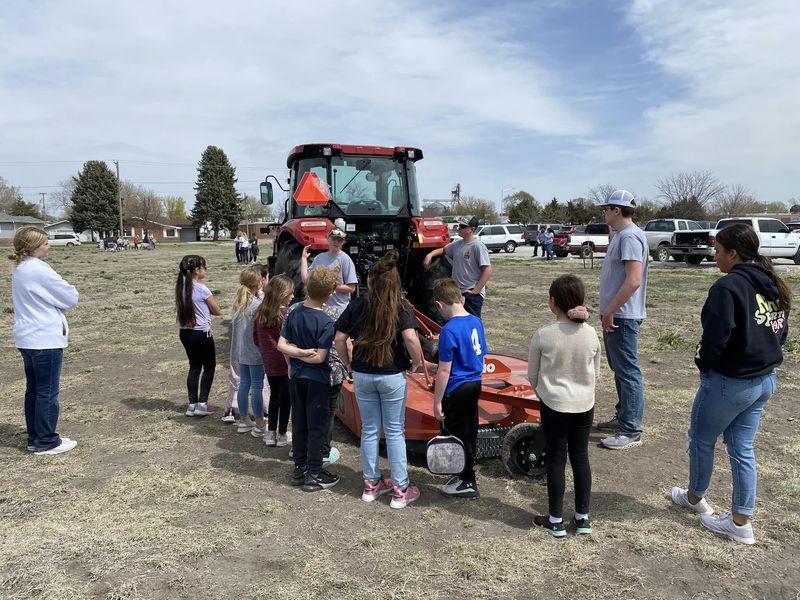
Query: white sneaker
[
  {"x": 229, "y": 417},
  {"x": 680, "y": 497},
  {"x": 258, "y": 431},
  {"x": 201, "y": 410},
  {"x": 190, "y": 410},
  {"x": 245, "y": 426},
  {"x": 451, "y": 486},
  {"x": 724, "y": 525},
  {"x": 65, "y": 446},
  {"x": 270, "y": 438},
  {"x": 283, "y": 440}
]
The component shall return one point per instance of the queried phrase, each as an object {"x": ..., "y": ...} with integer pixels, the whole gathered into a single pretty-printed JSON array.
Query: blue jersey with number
[{"x": 462, "y": 342}]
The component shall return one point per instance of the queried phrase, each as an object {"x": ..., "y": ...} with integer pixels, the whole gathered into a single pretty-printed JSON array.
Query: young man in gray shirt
[
  {"x": 472, "y": 268},
  {"x": 338, "y": 260},
  {"x": 623, "y": 292}
]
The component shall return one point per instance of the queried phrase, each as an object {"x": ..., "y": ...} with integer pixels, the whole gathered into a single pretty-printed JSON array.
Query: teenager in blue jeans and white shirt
[
  {"x": 462, "y": 349},
  {"x": 745, "y": 323},
  {"x": 385, "y": 345},
  {"x": 623, "y": 294},
  {"x": 40, "y": 297}
]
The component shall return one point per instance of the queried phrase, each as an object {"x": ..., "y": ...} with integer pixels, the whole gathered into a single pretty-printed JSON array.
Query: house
[
  {"x": 261, "y": 229},
  {"x": 10, "y": 223},
  {"x": 65, "y": 227},
  {"x": 164, "y": 230}
]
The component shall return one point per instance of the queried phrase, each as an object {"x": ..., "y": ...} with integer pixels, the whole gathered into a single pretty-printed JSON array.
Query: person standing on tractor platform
[
  {"x": 745, "y": 322},
  {"x": 563, "y": 363},
  {"x": 462, "y": 349},
  {"x": 337, "y": 260},
  {"x": 623, "y": 293},
  {"x": 472, "y": 268}
]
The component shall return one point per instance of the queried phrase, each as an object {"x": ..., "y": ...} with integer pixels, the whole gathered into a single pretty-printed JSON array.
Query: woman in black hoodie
[{"x": 745, "y": 323}]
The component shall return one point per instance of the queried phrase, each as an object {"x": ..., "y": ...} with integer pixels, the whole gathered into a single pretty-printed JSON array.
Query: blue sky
[{"x": 549, "y": 97}]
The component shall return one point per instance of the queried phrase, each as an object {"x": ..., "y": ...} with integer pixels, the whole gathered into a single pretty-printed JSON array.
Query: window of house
[{"x": 171, "y": 232}]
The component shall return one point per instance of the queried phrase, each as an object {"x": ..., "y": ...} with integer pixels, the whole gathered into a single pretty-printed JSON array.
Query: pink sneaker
[
  {"x": 373, "y": 491},
  {"x": 402, "y": 498}
]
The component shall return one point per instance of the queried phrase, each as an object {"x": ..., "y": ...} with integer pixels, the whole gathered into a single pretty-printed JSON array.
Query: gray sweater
[
  {"x": 563, "y": 364},
  {"x": 243, "y": 349}
]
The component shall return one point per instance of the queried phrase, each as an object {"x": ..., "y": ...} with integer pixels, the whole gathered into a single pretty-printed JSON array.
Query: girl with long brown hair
[{"x": 385, "y": 345}]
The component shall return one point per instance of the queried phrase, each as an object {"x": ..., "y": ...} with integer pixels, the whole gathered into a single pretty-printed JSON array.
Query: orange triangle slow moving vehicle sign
[{"x": 312, "y": 191}]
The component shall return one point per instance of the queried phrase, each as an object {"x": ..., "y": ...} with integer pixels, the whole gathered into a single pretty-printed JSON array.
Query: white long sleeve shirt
[{"x": 40, "y": 297}]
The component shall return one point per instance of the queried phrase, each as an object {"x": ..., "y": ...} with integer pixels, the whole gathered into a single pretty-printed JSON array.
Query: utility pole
[
  {"x": 119, "y": 201},
  {"x": 43, "y": 207}
]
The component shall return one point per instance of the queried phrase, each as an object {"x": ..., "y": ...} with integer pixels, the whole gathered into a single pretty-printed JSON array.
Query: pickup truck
[
  {"x": 594, "y": 239},
  {"x": 776, "y": 240},
  {"x": 659, "y": 235}
]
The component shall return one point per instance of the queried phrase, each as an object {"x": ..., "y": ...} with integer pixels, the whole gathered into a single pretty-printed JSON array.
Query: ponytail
[
  {"x": 184, "y": 304},
  {"x": 249, "y": 279}
]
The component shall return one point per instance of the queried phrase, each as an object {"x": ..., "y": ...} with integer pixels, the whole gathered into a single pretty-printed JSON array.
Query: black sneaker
[
  {"x": 555, "y": 529},
  {"x": 461, "y": 489},
  {"x": 298, "y": 476},
  {"x": 610, "y": 425},
  {"x": 229, "y": 417},
  {"x": 582, "y": 526},
  {"x": 322, "y": 481}
]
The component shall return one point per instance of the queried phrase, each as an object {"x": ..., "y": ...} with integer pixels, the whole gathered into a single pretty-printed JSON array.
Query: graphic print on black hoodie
[{"x": 743, "y": 330}]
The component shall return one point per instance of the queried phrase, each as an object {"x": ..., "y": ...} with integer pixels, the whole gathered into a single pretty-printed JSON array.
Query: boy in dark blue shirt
[
  {"x": 306, "y": 338},
  {"x": 462, "y": 348}
]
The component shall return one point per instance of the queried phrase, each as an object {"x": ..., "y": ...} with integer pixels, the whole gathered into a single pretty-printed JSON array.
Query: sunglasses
[{"x": 462, "y": 226}]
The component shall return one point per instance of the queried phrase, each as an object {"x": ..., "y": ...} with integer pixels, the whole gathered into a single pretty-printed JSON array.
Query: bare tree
[
  {"x": 737, "y": 200},
  {"x": 254, "y": 211},
  {"x": 61, "y": 198},
  {"x": 483, "y": 209},
  {"x": 698, "y": 186},
  {"x": 138, "y": 201},
  {"x": 8, "y": 195},
  {"x": 175, "y": 207},
  {"x": 600, "y": 193}
]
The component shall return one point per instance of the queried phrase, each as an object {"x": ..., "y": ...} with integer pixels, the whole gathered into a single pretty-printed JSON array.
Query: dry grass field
[{"x": 153, "y": 504}]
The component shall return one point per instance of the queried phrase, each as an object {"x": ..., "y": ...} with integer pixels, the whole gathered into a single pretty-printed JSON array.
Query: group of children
[{"x": 292, "y": 346}]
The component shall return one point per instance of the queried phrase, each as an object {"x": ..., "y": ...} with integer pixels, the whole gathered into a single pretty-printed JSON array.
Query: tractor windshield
[{"x": 362, "y": 185}]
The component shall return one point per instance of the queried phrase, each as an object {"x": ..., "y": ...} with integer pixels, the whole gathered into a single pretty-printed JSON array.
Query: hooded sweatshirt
[{"x": 743, "y": 330}]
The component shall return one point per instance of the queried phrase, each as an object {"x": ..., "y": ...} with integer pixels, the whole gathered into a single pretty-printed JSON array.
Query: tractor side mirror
[{"x": 266, "y": 192}]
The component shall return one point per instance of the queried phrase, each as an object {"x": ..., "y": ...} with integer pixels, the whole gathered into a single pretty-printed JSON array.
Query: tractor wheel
[
  {"x": 586, "y": 251},
  {"x": 510, "y": 247},
  {"x": 662, "y": 253},
  {"x": 420, "y": 287},
  {"x": 288, "y": 263},
  {"x": 694, "y": 259},
  {"x": 523, "y": 451}
]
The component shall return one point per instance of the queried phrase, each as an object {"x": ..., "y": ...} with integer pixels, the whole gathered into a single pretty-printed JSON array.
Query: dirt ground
[{"x": 153, "y": 504}]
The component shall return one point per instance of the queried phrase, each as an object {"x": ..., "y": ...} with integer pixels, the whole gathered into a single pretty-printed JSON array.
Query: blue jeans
[
  {"x": 732, "y": 407},
  {"x": 622, "y": 353},
  {"x": 251, "y": 377},
  {"x": 548, "y": 250},
  {"x": 382, "y": 402},
  {"x": 473, "y": 304},
  {"x": 42, "y": 377}
]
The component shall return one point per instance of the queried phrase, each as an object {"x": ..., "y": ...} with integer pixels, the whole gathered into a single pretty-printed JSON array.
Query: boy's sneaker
[
  {"x": 321, "y": 481},
  {"x": 461, "y": 489},
  {"x": 610, "y": 425},
  {"x": 65, "y": 446},
  {"x": 190, "y": 410},
  {"x": 32, "y": 448},
  {"x": 557, "y": 530},
  {"x": 270, "y": 438},
  {"x": 724, "y": 525},
  {"x": 402, "y": 498},
  {"x": 373, "y": 491},
  {"x": 229, "y": 417},
  {"x": 298, "y": 476},
  {"x": 258, "y": 431},
  {"x": 619, "y": 441},
  {"x": 283, "y": 440},
  {"x": 201, "y": 409},
  {"x": 245, "y": 425},
  {"x": 680, "y": 497},
  {"x": 582, "y": 526},
  {"x": 331, "y": 457}
]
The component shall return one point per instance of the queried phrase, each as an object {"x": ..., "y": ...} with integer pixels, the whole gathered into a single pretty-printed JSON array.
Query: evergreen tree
[
  {"x": 94, "y": 200},
  {"x": 216, "y": 200},
  {"x": 20, "y": 208},
  {"x": 522, "y": 208}
]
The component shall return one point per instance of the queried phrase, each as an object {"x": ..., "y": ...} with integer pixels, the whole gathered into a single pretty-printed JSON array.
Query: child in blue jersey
[{"x": 462, "y": 348}]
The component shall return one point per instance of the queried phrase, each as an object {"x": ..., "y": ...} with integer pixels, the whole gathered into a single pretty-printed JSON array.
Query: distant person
[
  {"x": 40, "y": 298},
  {"x": 462, "y": 350},
  {"x": 337, "y": 260},
  {"x": 542, "y": 238},
  {"x": 254, "y": 249},
  {"x": 194, "y": 305},
  {"x": 563, "y": 364},
  {"x": 152, "y": 242},
  {"x": 237, "y": 246},
  {"x": 745, "y": 322},
  {"x": 535, "y": 243},
  {"x": 382, "y": 327},
  {"x": 623, "y": 296},
  {"x": 549, "y": 238},
  {"x": 244, "y": 249},
  {"x": 136, "y": 241},
  {"x": 472, "y": 268}
]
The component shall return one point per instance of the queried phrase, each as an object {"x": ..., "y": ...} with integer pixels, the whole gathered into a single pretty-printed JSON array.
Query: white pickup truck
[
  {"x": 776, "y": 240},
  {"x": 595, "y": 238}
]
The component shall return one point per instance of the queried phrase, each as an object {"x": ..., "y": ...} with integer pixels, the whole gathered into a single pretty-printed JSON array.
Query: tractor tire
[
  {"x": 662, "y": 253},
  {"x": 288, "y": 263},
  {"x": 510, "y": 247},
  {"x": 523, "y": 451},
  {"x": 694, "y": 259},
  {"x": 419, "y": 289},
  {"x": 586, "y": 251}
]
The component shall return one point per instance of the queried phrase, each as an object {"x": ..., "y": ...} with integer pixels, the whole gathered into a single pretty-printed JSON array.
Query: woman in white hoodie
[{"x": 40, "y": 297}]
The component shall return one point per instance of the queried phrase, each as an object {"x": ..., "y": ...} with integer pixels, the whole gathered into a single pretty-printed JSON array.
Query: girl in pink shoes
[
  {"x": 194, "y": 305},
  {"x": 563, "y": 363},
  {"x": 269, "y": 317}
]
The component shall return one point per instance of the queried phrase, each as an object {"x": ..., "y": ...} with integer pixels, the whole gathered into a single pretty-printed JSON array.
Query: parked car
[
  {"x": 594, "y": 239},
  {"x": 502, "y": 237},
  {"x": 64, "y": 239},
  {"x": 659, "y": 235},
  {"x": 776, "y": 240}
]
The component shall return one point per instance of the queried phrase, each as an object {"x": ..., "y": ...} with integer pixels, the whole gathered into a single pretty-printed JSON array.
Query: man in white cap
[
  {"x": 336, "y": 259},
  {"x": 623, "y": 291},
  {"x": 472, "y": 268}
]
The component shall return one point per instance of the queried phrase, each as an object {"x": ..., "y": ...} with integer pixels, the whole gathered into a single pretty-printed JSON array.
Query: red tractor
[{"x": 371, "y": 193}]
